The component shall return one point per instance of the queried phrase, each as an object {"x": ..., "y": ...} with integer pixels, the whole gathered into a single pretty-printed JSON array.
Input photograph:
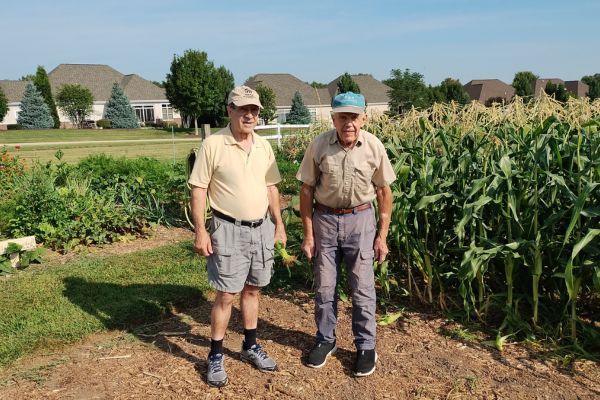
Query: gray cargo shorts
[{"x": 241, "y": 255}]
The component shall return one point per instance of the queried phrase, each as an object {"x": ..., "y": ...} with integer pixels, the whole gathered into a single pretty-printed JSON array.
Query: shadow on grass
[{"x": 145, "y": 310}]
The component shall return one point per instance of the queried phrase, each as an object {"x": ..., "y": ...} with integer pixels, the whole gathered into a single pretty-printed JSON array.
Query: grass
[
  {"x": 74, "y": 153},
  {"x": 54, "y": 305},
  {"x": 77, "y": 135}
]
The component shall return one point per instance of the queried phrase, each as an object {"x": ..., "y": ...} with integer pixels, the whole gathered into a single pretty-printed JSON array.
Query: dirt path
[{"x": 167, "y": 361}]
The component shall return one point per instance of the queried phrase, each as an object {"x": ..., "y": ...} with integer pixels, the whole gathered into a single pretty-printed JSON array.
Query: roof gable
[
  {"x": 285, "y": 86},
  {"x": 99, "y": 79}
]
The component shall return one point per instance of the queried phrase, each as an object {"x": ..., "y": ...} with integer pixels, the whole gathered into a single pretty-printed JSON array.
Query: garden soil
[{"x": 419, "y": 358}]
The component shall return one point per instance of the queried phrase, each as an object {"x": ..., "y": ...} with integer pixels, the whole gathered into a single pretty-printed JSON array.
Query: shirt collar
[
  {"x": 333, "y": 138},
  {"x": 230, "y": 140}
]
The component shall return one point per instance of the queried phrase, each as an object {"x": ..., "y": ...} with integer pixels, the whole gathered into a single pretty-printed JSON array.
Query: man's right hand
[
  {"x": 308, "y": 247},
  {"x": 202, "y": 244}
]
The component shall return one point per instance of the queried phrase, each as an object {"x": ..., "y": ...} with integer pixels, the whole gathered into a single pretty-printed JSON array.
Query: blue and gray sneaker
[
  {"x": 257, "y": 356},
  {"x": 216, "y": 375}
]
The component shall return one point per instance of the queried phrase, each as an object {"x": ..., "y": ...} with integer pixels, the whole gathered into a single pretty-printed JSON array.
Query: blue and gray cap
[{"x": 349, "y": 102}]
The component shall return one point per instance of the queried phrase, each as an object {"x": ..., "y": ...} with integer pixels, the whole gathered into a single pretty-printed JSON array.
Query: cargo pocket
[
  {"x": 223, "y": 257},
  {"x": 268, "y": 243},
  {"x": 364, "y": 275}
]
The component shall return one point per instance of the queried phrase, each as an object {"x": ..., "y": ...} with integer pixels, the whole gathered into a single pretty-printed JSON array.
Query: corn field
[{"x": 496, "y": 212}]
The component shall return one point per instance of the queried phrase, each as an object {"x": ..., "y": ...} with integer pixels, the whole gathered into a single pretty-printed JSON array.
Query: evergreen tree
[
  {"x": 452, "y": 90},
  {"x": 593, "y": 82},
  {"x": 347, "y": 84},
  {"x": 299, "y": 113},
  {"x": 34, "y": 113},
  {"x": 559, "y": 92},
  {"x": 267, "y": 99},
  {"x": 119, "y": 111},
  {"x": 42, "y": 83},
  {"x": 407, "y": 90},
  {"x": 3, "y": 105}
]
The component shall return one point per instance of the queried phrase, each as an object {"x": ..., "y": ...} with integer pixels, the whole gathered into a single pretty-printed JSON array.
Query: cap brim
[
  {"x": 348, "y": 109},
  {"x": 247, "y": 102}
]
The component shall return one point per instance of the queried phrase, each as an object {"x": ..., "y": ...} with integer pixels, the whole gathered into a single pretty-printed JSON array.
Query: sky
[{"x": 313, "y": 40}]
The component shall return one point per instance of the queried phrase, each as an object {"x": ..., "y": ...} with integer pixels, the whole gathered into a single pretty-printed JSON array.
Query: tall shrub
[
  {"x": 34, "y": 113},
  {"x": 119, "y": 110},
  {"x": 3, "y": 105},
  {"x": 42, "y": 83},
  {"x": 76, "y": 102},
  {"x": 299, "y": 113}
]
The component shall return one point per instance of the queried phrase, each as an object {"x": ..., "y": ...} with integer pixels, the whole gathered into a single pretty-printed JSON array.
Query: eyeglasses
[{"x": 252, "y": 109}]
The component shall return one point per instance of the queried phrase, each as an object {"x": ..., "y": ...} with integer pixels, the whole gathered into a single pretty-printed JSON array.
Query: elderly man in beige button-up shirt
[{"x": 343, "y": 171}]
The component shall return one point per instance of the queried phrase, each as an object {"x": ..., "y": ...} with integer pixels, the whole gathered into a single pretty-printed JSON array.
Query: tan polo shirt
[
  {"x": 237, "y": 181},
  {"x": 345, "y": 178}
]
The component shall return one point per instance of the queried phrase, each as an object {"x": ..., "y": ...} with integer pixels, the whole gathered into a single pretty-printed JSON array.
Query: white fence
[{"x": 278, "y": 128}]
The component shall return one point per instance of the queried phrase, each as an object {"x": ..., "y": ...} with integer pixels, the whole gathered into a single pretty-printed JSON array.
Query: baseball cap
[
  {"x": 243, "y": 96},
  {"x": 349, "y": 102}
]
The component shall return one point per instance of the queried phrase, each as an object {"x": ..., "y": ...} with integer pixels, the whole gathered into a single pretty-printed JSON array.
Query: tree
[
  {"x": 119, "y": 111},
  {"x": 524, "y": 83},
  {"x": 42, "y": 83},
  {"x": 558, "y": 91},
  {"x": 317, "y": 85},
  {"x": 346, "y": 84},
  {"x": 593, "y": 82},
  {"x": 268, "y": 101},
  {"x": 198, "y": 89},
  {"x": 299, "y": 113},
  {"x": 407, "y": 89},
  {"x": 3, "y": 105},
  {"x": 34, "y": 113},
  {"x": 28, "y": 77},
  {"x": 159, "y": 84},
  {"x": 452, "y": 90},
  {"x": 76, "y": 102}
]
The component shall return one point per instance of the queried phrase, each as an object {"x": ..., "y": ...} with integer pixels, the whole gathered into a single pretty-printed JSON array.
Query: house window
[
  {"x": 167, "y": 111},
  {"x": 144, "y": 113}
]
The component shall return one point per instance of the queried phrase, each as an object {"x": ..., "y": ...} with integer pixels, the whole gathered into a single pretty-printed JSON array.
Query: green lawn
[
  {"x": 51, "y": 304},
  {"x": 76, "y": 135}
]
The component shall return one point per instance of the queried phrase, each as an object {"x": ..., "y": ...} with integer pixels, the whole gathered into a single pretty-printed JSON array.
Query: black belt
[{"x": 251, "y": 224}]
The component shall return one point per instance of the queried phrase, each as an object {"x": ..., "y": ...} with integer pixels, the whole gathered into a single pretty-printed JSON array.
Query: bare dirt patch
[{"x": 167, "y": 360}]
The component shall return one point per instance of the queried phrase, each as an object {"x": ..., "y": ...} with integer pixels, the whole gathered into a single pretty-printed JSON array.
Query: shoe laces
[
  {"x": 260, "y": 353},
  {"x": 215, "y": 363}
]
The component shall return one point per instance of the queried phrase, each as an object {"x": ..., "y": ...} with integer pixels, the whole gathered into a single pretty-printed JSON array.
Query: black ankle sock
[
  {"x": 249, "y": 338},
  {"x": 216, "y": 347}
]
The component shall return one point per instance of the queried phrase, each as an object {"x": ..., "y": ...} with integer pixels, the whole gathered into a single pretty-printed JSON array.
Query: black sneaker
[
  {"x": 365, "y": 362},
  {"x": 319, "y": 354}
]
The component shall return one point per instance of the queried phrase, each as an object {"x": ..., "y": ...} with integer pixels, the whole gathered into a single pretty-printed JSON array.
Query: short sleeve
[
  {"x": 309, "y": 171},
  {"x": 203, "y": 168},
  {"x": 384, "y": 174},
  {"x": 272, "y": 177}
]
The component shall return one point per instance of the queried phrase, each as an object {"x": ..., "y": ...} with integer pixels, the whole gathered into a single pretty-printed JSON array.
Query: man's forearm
[
  {"x": 306, "y": 208},
  {"x": 384, "y": 203},
  {"x": 274, "y": 208},
  {"x": 198, "y": 203}
]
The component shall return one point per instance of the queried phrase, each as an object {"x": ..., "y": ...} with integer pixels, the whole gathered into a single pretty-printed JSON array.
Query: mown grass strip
[{"x": 60, "y": 304}]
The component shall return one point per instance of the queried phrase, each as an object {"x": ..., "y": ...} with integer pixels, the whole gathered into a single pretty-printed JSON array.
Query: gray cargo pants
[{"x": 349, "y": 238}]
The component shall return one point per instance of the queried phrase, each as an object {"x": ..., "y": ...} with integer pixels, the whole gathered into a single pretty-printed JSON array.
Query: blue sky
[{"x": 313, "y": 40}]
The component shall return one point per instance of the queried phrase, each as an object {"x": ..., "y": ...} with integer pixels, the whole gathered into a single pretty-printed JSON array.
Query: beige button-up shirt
[
  {"x": 345, "y": 178},
  {"x": 236, "y": 180}
]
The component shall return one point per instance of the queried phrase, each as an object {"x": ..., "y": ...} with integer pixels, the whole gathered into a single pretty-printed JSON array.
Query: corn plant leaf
[
  {"x": 388, "y": 319},
  {"x": 596, "y": 278},
  {"x": 579, "y": 204},
  {"x": 427, "y": 200}
]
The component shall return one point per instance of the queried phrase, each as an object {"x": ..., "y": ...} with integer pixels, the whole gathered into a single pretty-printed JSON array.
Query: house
[
  {"x": 318, "y": 100},
  {"x": 148, "y": 100},
  {"x": 487, "y": 91},
  {"x": 576, "y": 88}
]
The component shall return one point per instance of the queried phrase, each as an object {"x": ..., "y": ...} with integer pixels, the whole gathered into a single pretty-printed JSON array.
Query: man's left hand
[
  {"x": 381, "y": 249},
  {"x": 280, "y": 234}
]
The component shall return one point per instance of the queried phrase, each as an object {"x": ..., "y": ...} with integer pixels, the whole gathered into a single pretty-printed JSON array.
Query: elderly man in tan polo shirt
[
  {"x": 343, "y": 171},
  {"x": 236, "y": 169}
]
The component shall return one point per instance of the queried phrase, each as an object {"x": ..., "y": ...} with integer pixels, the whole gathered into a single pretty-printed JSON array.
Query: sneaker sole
[
  {"x": 218, "y": 384},
  {"x": 361, "y": 374},
  {"x": 249, "y": 361},
  {"x": 325, "y": 361}
]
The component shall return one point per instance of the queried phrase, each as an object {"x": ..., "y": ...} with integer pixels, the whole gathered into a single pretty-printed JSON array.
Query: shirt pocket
[
  {"x": 363, "y": 173},
  {"x": 330, "y": 172}
]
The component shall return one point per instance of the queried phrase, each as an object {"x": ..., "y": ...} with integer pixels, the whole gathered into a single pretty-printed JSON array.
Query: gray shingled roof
[
  {"x": 285, "y": 86},
  {"x": 485, "y": 89},
  {"x": 374, "y": 91},
  {"x": 13, "y": 90},
  {"x": 100, "y": 79}
]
